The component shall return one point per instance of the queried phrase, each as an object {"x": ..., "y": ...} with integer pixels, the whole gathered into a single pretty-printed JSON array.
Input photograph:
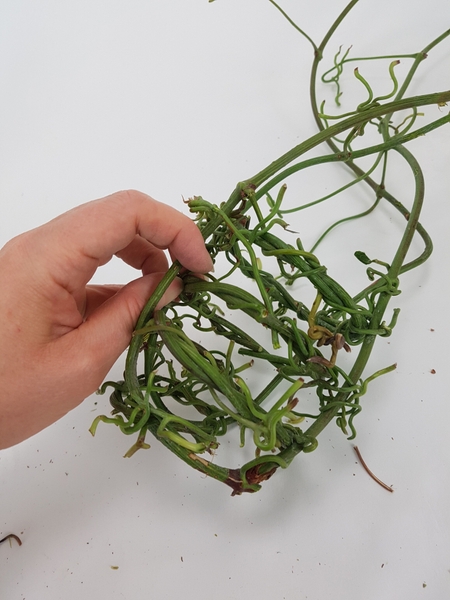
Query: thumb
[{"x": 106, "y": 333}]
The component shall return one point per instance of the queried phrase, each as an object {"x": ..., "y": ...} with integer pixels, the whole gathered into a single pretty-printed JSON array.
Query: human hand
[{"x": 58, "y": 336}]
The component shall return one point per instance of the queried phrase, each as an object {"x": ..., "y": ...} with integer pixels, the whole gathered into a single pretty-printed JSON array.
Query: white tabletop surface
[{"x": 181, "y": 98}]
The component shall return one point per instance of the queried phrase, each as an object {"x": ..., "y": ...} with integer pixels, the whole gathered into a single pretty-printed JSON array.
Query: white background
[{"x": 181, "y": 98}]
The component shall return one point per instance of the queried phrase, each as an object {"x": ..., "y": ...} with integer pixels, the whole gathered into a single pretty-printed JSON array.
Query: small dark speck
[
  {"x": 182, "y": 559},
  {"x": 431, "y": 329},
  {"x": 382, "y": 565},
  {"x": 424, "y": 585},
  {"x": 433, "y": 371}
]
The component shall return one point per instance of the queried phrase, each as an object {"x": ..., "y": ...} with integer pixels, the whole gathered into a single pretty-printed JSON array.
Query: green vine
[{"x": 261, "y": 326}]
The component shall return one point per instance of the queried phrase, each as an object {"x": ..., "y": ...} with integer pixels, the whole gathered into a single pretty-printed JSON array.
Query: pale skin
[{"x": 59, "y": 336}]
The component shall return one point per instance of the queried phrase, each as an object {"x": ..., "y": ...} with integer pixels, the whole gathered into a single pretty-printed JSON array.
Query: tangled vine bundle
[{"x": 188, "y": 395}]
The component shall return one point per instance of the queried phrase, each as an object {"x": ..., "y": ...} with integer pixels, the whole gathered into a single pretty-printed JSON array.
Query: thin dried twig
[
  {"x": 366, "y": 468},
  {"x": 12, "y": 536}
]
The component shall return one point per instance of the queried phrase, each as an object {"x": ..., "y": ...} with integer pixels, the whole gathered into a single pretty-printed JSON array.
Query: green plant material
[{"x": 293, "y": 346}]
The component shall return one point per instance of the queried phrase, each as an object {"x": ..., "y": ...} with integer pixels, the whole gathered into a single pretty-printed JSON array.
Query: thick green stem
[
  {"x": 354, "y": 121},
  {"x": 383, "y": 300}
]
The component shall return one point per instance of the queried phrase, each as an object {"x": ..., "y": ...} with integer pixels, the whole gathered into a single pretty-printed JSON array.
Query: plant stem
[{"x": 380, "y": 308}]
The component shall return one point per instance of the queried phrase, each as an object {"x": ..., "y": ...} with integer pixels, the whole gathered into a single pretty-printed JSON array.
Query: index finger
[{"x": 89, "y": 235}]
